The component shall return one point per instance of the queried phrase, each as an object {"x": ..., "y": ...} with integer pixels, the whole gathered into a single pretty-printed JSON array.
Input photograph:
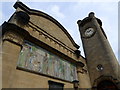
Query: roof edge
[{"x": 39, "y": 13}]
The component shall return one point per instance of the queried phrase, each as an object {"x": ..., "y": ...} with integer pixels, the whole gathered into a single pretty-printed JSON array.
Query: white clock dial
[{"x": 89, "y": 32}]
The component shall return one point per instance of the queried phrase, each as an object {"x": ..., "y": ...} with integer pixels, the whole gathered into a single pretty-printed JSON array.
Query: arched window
[{"x": 106, "y": 85}]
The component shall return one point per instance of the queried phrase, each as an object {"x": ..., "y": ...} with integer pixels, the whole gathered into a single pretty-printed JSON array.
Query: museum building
[{"x": 38, "y": 52}]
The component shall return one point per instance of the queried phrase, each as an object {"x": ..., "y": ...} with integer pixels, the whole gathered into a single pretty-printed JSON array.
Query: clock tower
[{"x": 102, "y": 64}]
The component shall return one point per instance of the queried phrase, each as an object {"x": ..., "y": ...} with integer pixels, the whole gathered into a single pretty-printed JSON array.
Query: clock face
[{"x": 89, "y": 32}]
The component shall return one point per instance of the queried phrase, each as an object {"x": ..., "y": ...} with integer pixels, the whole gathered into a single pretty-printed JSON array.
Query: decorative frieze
[{"x": 37, "y": 59}]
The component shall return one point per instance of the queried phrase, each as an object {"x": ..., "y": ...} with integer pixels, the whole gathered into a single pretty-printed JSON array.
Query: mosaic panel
[{"x": 40, "y": 60}]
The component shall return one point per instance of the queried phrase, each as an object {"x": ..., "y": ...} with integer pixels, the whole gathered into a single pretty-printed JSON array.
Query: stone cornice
[
  {"x": 48, "y": 36},
  {"x": 39, "y": 13},
  {"x": 14, "y": 37},
  {"x": 16, "y": 34}
]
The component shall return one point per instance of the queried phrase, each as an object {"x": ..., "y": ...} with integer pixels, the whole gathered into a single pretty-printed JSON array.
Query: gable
[{"x": 48, "y": 25}]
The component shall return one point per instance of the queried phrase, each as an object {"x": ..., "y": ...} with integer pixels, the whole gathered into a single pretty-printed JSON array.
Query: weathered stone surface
[
  {"x": 98, "y": 52},
  {"x": 44, "y": 31}
]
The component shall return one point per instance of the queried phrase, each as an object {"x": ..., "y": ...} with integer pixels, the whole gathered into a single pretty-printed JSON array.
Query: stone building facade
[{"x": 38, "y": 52}]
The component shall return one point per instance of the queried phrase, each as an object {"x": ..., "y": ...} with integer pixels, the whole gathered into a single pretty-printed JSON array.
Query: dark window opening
[
  {"x": 106, "y": 85},
  {"x": 55, "y": 85}
]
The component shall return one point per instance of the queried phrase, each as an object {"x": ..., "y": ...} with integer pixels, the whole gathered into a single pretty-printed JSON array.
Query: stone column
[
  {"x": 83, "y": 76},
  {"x": 11, "y": 47}
]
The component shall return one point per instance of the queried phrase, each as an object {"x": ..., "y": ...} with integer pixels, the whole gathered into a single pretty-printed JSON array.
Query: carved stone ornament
[
  {"x": 13, "y": 37},
  {"x": 81, "y": 70},
  {"x": 22, "y": 18}
]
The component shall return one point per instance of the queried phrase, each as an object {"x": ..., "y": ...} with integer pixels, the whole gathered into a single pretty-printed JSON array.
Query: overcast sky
[{"x": 68, "y": 13}]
